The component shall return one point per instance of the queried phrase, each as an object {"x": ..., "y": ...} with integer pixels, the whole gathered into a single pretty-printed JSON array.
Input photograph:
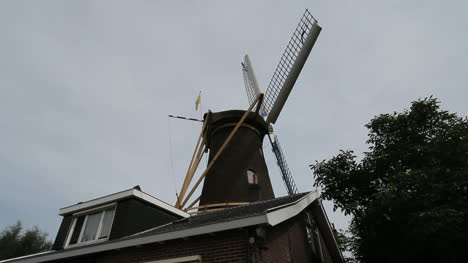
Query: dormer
[{"x": 112, "y": 217}]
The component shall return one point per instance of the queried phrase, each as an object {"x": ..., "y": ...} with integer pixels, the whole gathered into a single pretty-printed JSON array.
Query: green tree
[
  {"x": 14, "y": 242},
  {"x": 345, "y": 243},
  {"x": 408, "y": 195}
]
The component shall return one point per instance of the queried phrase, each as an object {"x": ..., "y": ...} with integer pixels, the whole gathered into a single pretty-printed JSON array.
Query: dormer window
[{"x": 91, "y": 225}]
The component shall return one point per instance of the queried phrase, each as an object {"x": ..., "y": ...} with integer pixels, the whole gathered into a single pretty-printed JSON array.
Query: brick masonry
[{"x": 228, "y": 246}]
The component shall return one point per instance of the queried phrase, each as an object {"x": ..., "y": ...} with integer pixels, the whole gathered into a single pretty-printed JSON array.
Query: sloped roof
[
  {"x": 225, "y": 215},
  {"x": 270, "y": 212}
]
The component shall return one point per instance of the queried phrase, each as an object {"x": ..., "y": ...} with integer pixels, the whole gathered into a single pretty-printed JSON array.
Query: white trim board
[
  {"x": 122, "y": 195},
  {"x": 283, "y": 213}
]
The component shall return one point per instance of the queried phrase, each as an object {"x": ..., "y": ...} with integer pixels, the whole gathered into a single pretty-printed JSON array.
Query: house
[{"x": 133, "y": 226}]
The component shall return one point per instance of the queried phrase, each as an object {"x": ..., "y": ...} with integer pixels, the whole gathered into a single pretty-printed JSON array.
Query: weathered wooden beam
[
  {"x": 189, "y": 174},
  {"x": 216, "y": 205},
  {"x": 192, "y": 204}
]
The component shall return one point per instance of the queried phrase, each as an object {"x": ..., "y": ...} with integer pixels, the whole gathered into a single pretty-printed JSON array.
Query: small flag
[{"x": 198, "y": 101}]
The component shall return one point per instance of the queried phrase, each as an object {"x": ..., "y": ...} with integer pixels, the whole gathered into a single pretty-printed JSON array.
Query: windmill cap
[
  {"x": 234, "y": 116},
  {"x": 218, "y": 120}
]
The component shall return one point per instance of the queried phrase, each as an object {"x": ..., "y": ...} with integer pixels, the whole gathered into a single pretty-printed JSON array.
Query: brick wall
[
  {"x": 285, "y": 243},
  {"x": 288, "y": 243},
  {"x": 229, "y": 246}
]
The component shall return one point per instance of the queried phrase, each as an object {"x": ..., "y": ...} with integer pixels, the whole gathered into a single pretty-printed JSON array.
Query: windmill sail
[
  {"x": 252, "y": 90},
  {"x": 283, "y": 166},
  {"x": 290, "y": 65},
  {"x": 250, "y": 81},
  {"x": 281, "y": 84}
]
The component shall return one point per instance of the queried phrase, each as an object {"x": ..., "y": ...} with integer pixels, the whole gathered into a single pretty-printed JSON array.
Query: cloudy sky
[{"x": 86, "y": 87}]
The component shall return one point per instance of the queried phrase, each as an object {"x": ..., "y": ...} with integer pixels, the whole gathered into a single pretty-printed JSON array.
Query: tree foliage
[
  {"x": 346, "y": 243},
  {"x": 408, "y": 195},
  {"x": 14, "y": 242}
]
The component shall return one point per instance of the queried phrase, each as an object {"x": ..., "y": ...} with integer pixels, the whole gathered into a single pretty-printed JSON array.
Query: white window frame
[
  {"x": 178, "y": 260},
  {"x": 86, "y": 213}
]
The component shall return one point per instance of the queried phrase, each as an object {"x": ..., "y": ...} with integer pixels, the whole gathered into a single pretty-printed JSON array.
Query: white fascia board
[
  {"x": 118, "y": 196},
  {"x": 282, "y": 213},
  {"x": 212, "y": 228},
  {"x": 27, "y": 256},
  {"x": 159, "y": 203},
  {"x": 95, "y": 202}
]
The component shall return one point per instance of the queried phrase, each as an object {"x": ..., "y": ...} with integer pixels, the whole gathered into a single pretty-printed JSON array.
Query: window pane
[
  {"x": 91, "y": 227},
  {"x": 251, "y": 177},
  {"x": 76, "y": 231},
  {"x": 107, "y": 222}
]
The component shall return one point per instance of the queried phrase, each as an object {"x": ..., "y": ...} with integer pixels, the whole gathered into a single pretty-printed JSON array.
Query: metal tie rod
[{"x": 184, "y": 118}]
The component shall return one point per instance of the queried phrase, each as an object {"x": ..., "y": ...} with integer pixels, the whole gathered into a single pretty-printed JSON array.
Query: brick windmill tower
[{"x": 237, "y": 172}]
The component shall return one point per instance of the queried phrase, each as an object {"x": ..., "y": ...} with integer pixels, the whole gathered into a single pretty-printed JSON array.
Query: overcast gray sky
[{"x": 86, "y": 87}]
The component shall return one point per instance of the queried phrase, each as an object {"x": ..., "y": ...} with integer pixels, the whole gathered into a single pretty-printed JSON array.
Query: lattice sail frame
[
  {"x": 286, "y": 175},
  {"x": 251, "y": 95},
  {"x": 287, "y": 60}
]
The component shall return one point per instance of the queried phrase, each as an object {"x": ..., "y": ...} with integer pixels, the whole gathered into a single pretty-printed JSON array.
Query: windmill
[{"x": 236, "y": 172}]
